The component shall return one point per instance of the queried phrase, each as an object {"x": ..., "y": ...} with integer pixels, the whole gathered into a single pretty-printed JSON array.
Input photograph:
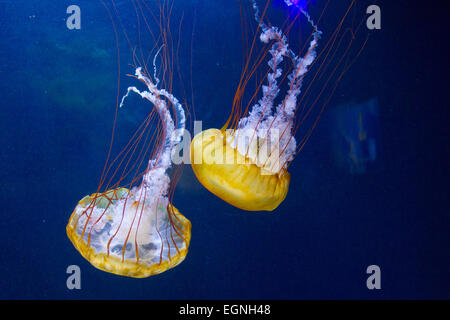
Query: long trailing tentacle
[
  {"x": 263, "y": 117},
  {"x": 156, "y": 170}
]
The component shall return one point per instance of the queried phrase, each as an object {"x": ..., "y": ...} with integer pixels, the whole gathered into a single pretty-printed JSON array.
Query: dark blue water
[{"x": 58, "y": 95}]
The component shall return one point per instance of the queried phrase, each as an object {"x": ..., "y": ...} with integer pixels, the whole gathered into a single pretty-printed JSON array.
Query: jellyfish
[
  {"x": 137, "y": 232},
  {"x": 132, "y": 227},
  {"x": 246, "y": 162},
  {"x": 251, "y": 172}
]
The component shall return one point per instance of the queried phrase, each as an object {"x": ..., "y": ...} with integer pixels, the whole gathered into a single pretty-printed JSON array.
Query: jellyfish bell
[
  {"x": 129, "y": 226},
  {"x": 246, "y": 162},
  {"x": 105, "y": 230},
  {"x": 234, "y": 177}
]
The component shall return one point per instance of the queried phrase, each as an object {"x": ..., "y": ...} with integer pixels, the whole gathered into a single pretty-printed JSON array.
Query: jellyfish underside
[
  {"x": 233, "y": 177},
  {"x": 103, "y": 230}
]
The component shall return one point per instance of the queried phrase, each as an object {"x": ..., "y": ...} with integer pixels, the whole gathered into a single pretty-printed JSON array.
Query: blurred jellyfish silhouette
[{"x": 354, "y": 133}]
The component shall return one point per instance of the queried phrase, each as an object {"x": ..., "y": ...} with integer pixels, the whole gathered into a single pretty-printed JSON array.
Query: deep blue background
[{"x": 57, "y": 94}]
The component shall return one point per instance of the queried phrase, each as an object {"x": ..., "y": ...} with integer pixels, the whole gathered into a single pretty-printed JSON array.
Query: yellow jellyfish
[
  {"x": 247, "y": 166},
  {"x": 135, "y": 230},
  {"x": 246, "y": 162}
]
